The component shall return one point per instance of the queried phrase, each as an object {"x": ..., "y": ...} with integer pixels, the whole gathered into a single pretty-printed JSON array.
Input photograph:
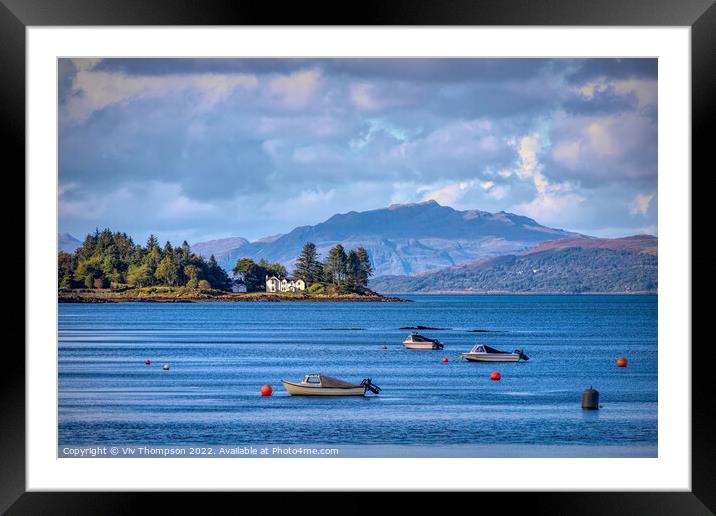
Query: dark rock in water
[
  {"x": 485, "y": 331},
  {"x": 419, "y": 327}
]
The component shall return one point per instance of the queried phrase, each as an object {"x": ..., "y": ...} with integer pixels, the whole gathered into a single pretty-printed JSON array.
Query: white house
[{"x": 275, "y": 284}]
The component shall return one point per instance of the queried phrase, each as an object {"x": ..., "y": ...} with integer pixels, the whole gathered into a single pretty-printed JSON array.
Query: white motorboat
[
  {"x": 417, "y": 341},
  {"x": 482, "y": 353},
  {"x": 323, "y": 385}
]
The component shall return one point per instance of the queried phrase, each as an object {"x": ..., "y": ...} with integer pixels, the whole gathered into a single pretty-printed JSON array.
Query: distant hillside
[
  {"x": 67, "y": 243},
  {"x": 637, "y": 243},
  {"x": 602, "y": 265},
  {"x": 402, "y": 239},
  {"x": 218, "y": 247}
]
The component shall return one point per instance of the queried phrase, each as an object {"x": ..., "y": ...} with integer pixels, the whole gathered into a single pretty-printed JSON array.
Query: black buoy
[{"x": 590, "y": 399}]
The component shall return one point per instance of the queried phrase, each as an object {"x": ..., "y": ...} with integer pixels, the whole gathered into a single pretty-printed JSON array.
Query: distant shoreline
[{"x": 172, "y": 295}]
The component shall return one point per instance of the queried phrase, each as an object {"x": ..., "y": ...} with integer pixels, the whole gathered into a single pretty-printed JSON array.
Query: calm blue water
[{"x": 222, "y": 353}]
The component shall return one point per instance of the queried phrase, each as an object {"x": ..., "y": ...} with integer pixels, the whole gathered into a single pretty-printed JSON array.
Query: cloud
[
  {"x": 567, "y": 152},
  {"x": 527, "y": 152},
  {"x": 640, "y": 204},
  {"x": 595, "y": 149},
  {"x": 448, "y": 195},
  {"x": 552, "y": 201},
  {"x": 586, "y": 70},
  {"x": 93, "y": 90},
  {"x": 551, "y": 209},
  {"x": 85, "y": 64},
  {"x": 601, "y": 98},
  {"x": 463, "y": 194},
  {"x": 297, "y": 89},
  {"x": 256, "y": 146},
  {"x": 362, "y": 97}
]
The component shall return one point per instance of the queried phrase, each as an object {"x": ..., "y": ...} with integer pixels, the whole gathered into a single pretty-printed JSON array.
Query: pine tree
[
  {"x": 336, "y": 264},
  {"x": 366, "y": 270},
  {"x": 168, "y": 250},
  {"x": 308, "y": 268},
  {"x": 185, "y": 250},
  {"x": 216, "y": 275},
  {"x": 353, "y": 270},
  {"x": 152, "y": 243}
]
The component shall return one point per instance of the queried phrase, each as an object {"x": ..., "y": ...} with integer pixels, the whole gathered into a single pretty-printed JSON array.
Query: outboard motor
[
  {"x": 522, "y": 355},
  {"x": 370, "y": 386}
]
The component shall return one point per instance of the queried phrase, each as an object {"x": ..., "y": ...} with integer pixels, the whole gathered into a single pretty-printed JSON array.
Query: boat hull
[
  {"x": 297, "y": 389},
  {"x": 490, "y": 357},
  {"x": 422, "y": 345}
]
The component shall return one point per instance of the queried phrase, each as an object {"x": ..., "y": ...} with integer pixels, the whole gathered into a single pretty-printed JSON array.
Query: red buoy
[
  {"x": 495, "y": 375},
  {"x": 621, "y": 362},
  {"x": 445, "y": 359},
  {"x": 147, "y": 361},
  {"x": 266, "y": 390}
]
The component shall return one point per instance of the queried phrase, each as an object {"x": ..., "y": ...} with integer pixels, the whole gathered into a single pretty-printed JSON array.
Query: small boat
[
  {"x": 417, "y": 341},
  {"x": 482, "y": 353},
  {"x": 323, "y": 385}
]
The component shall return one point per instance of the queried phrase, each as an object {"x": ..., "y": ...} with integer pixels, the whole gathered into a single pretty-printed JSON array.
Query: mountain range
[
  {"x": 67, "y": 243},
  {"x": 403, "y": 239},
  {"x": 571, "y": 265},
  {"x": 426, "y": 247}
]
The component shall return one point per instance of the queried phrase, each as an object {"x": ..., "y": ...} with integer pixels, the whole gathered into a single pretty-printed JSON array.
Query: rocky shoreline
[{"x": 185, "y": 296}]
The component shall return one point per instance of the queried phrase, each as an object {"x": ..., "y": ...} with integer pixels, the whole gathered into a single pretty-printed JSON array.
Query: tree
[
  {"x": 366, "y": 270},
  {"x": 152, "y": 259},
  {"x": 136, "y": 257},
  {"x": 353, "y": 270},
  {"x": 110, "y": 259},
  {"x": 167, "y": 272},
  {"x": 336, "y": 264},
  {"x": 273, "y": 269},
  {"x": 65, "y": 264},
  {"x": 254, "y": 276},
  {"x": 191, "y": 272},
  {"x": 152, "y": 243},
  {"x": 308, "y": 268},
  {"x": 139, "y": 275},
  {"x": 185, "y": 250},
  {"x": 88, "y": 271},
  {"x": 216, "y": 275}
]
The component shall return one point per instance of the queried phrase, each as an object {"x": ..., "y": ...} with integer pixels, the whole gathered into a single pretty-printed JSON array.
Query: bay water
[{"x": 221, "y": 354}]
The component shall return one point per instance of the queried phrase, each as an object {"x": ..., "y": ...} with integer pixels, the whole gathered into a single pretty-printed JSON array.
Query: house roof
[{"x": 281, "y": 280}]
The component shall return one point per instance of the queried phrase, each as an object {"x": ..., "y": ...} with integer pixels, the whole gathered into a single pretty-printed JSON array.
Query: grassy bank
[{"x": 189, "y": 295}]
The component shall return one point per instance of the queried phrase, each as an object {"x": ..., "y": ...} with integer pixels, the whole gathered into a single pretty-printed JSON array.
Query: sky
[{"x": 198, "y": 149}]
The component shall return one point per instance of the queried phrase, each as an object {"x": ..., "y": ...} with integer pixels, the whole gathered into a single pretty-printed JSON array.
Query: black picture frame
[{"x": 17, "y": 15}]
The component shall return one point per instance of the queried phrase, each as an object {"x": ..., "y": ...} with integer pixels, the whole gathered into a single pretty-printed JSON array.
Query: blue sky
[{"x": 198, "y": 149}]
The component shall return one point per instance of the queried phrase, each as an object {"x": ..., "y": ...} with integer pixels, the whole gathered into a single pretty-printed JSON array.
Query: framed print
[{"x": 436, "y": 250}]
